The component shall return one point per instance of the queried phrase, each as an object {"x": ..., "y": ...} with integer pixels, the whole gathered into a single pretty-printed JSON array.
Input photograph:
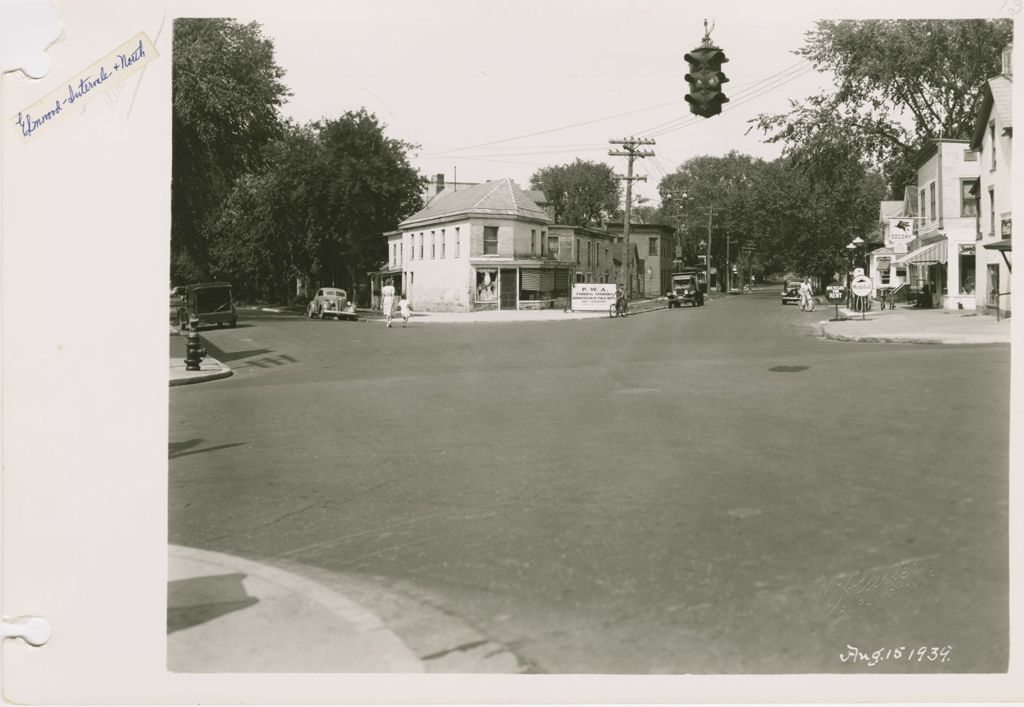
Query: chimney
[
  {"x": 1008, "y": 60},
  {"x": 440, "y": 183}
]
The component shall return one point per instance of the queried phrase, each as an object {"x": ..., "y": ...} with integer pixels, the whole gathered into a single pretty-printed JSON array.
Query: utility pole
[
  {"x": 707, "y": 257},
  {"x": 629, "y": 149}
]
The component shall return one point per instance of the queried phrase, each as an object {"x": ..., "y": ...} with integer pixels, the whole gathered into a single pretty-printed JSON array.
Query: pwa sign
[{"x": 593, "y": 296}]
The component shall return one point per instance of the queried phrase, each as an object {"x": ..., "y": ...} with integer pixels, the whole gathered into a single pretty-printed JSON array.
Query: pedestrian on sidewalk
[
  {"x": 388, "y": 300},
  {"x": 405, "y": 309}
]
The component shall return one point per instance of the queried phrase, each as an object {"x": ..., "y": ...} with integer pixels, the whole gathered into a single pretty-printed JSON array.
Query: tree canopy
[
  {"x": 581, "y": 193},
  {"x": 796, "y": 218},
  {"x": 226, "y": 90},
  {"x": 898, "y": 84},
  {"x": 316, "y": 208}
]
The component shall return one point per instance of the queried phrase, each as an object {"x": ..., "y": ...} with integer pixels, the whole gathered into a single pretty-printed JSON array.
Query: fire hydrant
[{"x": 194, "y": 353}]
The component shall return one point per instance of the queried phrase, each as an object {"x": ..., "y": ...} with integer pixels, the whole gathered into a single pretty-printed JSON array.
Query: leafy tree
[
  {"x": 317, "y": 207},
  {"x": 226, "y": 93},
  {"x": 580, "y": 193},
  {"x": 370, "y": 188},
  {"x": 898, "y": 84},
  {"x": 721, "y": 185}
]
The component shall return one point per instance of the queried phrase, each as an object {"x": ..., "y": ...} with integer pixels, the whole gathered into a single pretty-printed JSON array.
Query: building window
[
  {"x": 992, "y": 140},
  {"x": 458, "y": 236},
  {"x": 401, "y": 252},
  {"x": 588, "y": 254},
  {"x": 533, "y": 242},
  {"x": 931, "y": 201},
  {"x": 968, "y": 197},
  {"x": 652, "y": 246},
  {"x": 490, "y": 240},
  {"x": 553, "y": 246},
  {"x": 433, "y": 246},
  {"x": 920, "y": 205},
  {"x": 421, "y": 245},
  {"x": 991, "y": 211},
  {"x": 577, "y": 251},
  {"x": 444, "y": 240},
  {"x": 543, "y": 237}
]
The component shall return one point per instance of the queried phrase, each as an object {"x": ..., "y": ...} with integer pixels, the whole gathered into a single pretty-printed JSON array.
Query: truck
[{"x": 686, "y": 289}]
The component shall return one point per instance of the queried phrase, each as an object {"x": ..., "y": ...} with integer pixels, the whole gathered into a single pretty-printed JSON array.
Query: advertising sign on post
[
  {"x": 901, "y": 232},
  {"x": 861, "y": 286},
  {"x": 593, "y": 296},
  {"x": 835, "y": 294}
]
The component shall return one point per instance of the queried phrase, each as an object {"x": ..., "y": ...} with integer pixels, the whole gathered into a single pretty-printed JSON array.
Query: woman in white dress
[{"x": 387, "y": 301}]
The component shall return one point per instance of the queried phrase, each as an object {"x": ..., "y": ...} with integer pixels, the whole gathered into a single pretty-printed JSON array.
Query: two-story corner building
[
  {"x": 992, "y": 142},
  {"x": 651, "y": 252},
  {"x": 482, "y": 247},
  {"x": 593, "y": 254},
  {"x": 943, "y": 253}
]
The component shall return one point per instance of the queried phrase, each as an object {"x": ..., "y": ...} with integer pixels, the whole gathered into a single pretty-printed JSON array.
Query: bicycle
[
  {"x": 806, "y": 303},
  {"x": 619, "y": 309}
]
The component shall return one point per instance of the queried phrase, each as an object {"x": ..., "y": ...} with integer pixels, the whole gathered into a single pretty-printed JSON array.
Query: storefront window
[
  {"x": 487, "y": 285},
  {"x": 967, "y": 269}
]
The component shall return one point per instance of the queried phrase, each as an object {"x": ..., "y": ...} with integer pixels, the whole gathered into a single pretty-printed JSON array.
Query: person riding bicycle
[{"x": 806, "y": 296}]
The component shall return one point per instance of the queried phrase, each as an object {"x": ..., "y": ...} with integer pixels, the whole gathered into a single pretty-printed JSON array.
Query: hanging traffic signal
[{"x": 706, "y": 79}]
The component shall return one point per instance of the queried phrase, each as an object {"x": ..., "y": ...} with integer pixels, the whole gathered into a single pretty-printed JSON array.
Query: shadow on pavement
[
  {"x": 178, "y": 449},
  {"x": 196, "y": 600}
]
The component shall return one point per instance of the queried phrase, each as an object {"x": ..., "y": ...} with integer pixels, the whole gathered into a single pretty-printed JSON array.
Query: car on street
[
  {"x": 206, "y": 303},
  {"x": 791, "y": 293},
  {"x": 330, "y": 302},
  {"x": 685, "y": 290}
]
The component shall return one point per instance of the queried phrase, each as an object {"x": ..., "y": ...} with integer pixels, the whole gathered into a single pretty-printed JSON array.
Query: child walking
[{"x": 405, "y": 309}]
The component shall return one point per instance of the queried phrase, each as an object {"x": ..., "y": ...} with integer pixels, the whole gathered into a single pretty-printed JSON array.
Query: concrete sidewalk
[
  {"x": 226, "y": 614},
  {"x": 905, "y": 325}
]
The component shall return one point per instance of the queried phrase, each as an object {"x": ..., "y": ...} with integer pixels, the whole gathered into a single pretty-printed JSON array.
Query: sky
[{"x": 490, "y": 89}]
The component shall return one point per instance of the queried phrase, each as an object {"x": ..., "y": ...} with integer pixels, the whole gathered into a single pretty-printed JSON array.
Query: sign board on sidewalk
[
  {"x": 593, "y": 296},
  {"x": 861, "y": 286},
  {"x": 835, "y": 293}
]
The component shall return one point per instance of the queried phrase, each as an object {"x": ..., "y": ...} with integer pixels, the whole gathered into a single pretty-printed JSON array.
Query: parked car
[
  {"x": 207, "y": 303},
  {"x": 330, "y": 302},
  {"x": 791, "y": 293},
  {"x": 685, "y": 290}
]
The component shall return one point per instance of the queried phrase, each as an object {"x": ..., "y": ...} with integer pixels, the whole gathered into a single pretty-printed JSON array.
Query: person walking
[
  {"x": 388, "y": 300},
  {"x": 405, "y": 309},
  {"x": 806, "y": 296}
]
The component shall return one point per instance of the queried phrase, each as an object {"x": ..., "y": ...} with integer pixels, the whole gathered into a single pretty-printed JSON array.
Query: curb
[
  {"x": 369, "y": 627},
  {"x": 951, "y": 340},
  {"x": 202, "y": 376}
]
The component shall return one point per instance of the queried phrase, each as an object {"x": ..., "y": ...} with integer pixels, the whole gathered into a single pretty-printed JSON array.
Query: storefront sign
[
  {"x": 966, "y": 249},
  {"x": 901, "y": 230},
  {"x": 1005, "y": 227},
  {"x": 593, "y": 297},
  {"x": 835, "y": 293}
]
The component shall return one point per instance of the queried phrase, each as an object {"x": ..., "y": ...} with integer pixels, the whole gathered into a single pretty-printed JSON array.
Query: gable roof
[
  {"x": 909, "y": 201},
  {"x": 499, "y": 197},
  {"x": 996, "y": 95}
]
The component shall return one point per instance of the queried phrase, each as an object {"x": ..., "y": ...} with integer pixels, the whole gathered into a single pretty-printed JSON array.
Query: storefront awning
[
  {"x": 1003, "y": 245},
  {"x": 932, "y": 253}
]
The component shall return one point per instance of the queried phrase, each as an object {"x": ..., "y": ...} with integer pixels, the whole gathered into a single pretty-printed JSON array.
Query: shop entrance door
[{"x": 509, "y": 288}]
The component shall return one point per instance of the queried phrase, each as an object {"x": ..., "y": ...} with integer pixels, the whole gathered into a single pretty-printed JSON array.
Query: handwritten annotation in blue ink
[{"x": 76, "y": 92}]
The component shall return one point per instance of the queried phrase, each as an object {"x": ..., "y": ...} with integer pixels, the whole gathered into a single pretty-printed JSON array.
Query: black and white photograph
[
  {"x": 541, "y": 341},
  {"x": 517, "y": 352}
]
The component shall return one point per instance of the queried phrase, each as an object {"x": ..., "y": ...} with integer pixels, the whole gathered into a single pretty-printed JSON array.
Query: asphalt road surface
[{"x": 708, "y": 490}]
